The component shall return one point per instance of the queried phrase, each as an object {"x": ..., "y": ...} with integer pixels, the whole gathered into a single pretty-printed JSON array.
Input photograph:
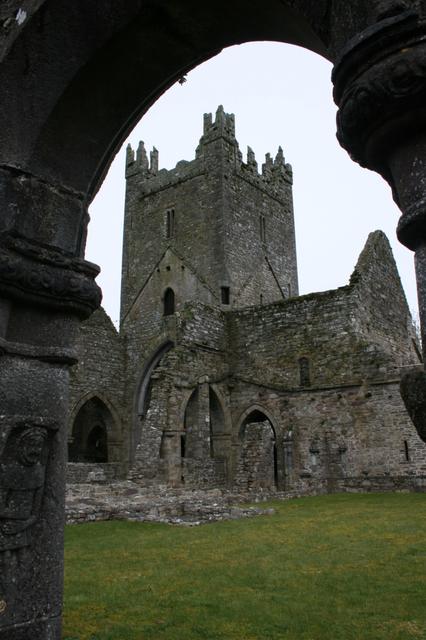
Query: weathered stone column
[
  {"x": 380, "y": 88},
  {"x": 44, "y": 291}
]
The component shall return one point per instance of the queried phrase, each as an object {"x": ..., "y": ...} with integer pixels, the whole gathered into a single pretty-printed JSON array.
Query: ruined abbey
[{"x": 221, "y": 374}]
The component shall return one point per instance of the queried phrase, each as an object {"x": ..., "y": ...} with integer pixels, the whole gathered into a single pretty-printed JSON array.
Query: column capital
[
  {"x": 380, "y": 87},
  {"x": 31, "y": 271}
]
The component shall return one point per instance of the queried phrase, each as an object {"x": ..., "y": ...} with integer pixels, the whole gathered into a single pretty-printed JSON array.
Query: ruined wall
[
  {"x": 384, "y": 314},
  {"x": 270, "y": 341},
  {"x": 100, "y": 373},
  {"x": 256, "y": 458},
  {"x": 197, "y": 358},
  {"x": 348, "y": 437},
  {"x": 361, "y": 331},
  {"x": 324, "y": 366}
]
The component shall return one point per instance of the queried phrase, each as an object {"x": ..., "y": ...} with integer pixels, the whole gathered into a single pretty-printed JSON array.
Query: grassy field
[{"x": 342, "y": 567}]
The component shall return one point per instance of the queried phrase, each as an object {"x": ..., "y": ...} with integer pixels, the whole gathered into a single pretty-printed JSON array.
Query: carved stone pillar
[
  {"x": 380, "y": 88},
  {"x": 44, "y": 290}
]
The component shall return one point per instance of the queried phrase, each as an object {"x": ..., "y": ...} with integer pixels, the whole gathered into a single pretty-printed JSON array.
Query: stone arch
[
  {"x": 93, "y": 426},
  {"x": 115, "y": 433},
  {"x": 143, "y": 390},
  {"x": 111, "y": 94},
  {"x": 255, "y": 408},
  {"x": 145, "y": 377},
  {"x": 257, "y": 466}
]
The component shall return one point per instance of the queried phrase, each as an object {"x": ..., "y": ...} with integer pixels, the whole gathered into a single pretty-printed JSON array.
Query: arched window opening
[
  {"x": 304, "y": 372},
  {"x": 169, "y": 302},
  {"x": 170, "y": 223},
  {"x": 89, "y": 441},
  {"x": 225, "y": 295},
  {"x": 406, "y": 451}
]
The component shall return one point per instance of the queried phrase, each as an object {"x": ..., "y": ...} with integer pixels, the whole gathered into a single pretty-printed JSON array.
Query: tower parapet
[
  {"x": 137, "y": 163},
  {"x": 218, "y": 142},
  {"x": 223, "y": 126}
]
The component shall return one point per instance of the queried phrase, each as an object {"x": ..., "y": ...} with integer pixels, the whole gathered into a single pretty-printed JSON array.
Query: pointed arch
[
  {"x": 92, "y": 427},
  {"x": 258, "y": 458},
  {"x": 143, "y": 392},
  {"x": 142, "y": 387},
  {"x": 115, "y": 425},
  {"x": 256, "y": 410}
]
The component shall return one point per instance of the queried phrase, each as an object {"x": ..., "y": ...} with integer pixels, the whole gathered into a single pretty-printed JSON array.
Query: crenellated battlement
[
  {"x": 222, "y": 126},
  {"x": 137, "y": 163},
  {"x": 273, "y": 170},
  {"x": 217, "y": 146}
]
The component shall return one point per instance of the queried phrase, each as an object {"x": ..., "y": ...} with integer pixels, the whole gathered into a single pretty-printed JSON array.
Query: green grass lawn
[{"x": 342, "y": 567}]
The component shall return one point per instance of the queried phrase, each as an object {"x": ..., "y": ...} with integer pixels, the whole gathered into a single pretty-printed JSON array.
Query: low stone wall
[
  {"x": 88, "y": 472},
  {"x": 379, "y": 484},
  {"x": 127, "y": 501}
]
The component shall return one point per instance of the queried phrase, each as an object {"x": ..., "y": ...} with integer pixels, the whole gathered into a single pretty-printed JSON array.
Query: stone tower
[{"x": 213, "y": 229}]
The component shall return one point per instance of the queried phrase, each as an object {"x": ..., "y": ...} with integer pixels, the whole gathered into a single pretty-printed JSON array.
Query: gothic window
[
  {"x": 225, "y": 295},
  {"x": 170, "y": 223},
  {"x": 304, "y": 372},
  {"x": 262, "y": 223},
  {"x": 169, "y": 302}
]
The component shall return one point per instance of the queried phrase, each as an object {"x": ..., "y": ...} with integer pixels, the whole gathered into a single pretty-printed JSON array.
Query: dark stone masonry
[
  {"x": 243, "y": 374},
  {"x": 222, "y": 377}
]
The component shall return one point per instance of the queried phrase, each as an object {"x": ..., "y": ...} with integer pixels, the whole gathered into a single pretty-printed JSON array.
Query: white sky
[{"x": 281, "y": 95}]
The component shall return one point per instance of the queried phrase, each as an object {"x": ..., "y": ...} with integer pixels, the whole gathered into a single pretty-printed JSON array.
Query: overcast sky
[{"x": 280, "y": 95}]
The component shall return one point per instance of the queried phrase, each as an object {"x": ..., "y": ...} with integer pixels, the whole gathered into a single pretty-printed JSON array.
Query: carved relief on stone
[
  {"x": 47, "y": 275},
  {"x": 379, "y": 78},
  {"x": 382, "y": 87},
  {"x": 22, "y": 477}
]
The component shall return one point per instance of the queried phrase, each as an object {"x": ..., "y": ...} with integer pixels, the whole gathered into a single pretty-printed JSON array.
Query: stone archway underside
[{"x": 75, "y": 78}]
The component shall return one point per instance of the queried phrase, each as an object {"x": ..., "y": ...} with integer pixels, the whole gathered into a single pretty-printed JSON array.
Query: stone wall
[{"x": 100, "y": 374}]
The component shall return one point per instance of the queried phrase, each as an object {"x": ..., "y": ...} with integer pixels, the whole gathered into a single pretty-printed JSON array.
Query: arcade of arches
[{"x": 62, "y": 118}]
